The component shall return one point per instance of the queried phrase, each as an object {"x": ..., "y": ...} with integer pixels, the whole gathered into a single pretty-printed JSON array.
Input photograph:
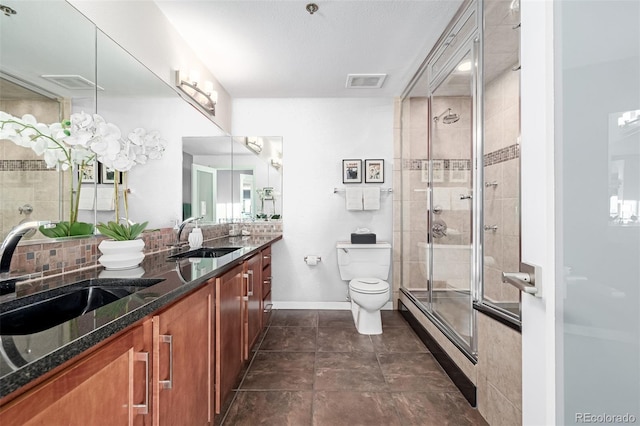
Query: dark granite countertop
[{"x": 24, "y": 358}]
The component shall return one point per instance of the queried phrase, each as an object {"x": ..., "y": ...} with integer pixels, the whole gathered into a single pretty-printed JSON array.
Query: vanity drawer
[
  {"x": 266, "y": 257},
  {"x": 266, "y": 282}
]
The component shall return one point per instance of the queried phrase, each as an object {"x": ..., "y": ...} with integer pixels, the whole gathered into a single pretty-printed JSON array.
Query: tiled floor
[{"x": 313, "y": 368}]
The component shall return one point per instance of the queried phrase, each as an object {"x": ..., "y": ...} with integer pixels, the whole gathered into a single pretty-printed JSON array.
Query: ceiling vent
[
  {"x": 365, "y": 81},
  {"x": 71, "y": 81}
]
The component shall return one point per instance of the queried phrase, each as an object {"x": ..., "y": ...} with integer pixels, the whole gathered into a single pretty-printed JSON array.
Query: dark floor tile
[
  {"x": 352, "y": 371},
  {"x": 297, "y": 339},
  {"x": 280, "y": 370},
  {"x": 270, "y": 408},
  {"x": 336, "y": 319},
  {"x": 354, "y": 408},
  {"x": 393, "y": 319},
  {"x": 436, "y": 409},
  {"x": 295, "y": 318},
  {"x": 414, "y": 372},
  {"x": 335, "y": 339},
  {"x": 398, "y": 339}
]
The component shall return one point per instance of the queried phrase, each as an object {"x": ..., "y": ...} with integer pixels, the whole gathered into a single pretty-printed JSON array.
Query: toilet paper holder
[{"x": 312, "y": 260}]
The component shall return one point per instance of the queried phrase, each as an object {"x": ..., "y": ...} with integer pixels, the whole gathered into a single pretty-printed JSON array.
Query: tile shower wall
[
  {"x": 501, "y": 198},
  {"x": 24, "y": 176},
  {"x": 500, "y": 347},
  {"x": 411, "y": 204}
]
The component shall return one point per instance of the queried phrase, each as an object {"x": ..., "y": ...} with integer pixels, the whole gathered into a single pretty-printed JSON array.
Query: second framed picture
[
  {"x": 374, "y": 171},
  {"x": 109, "y": 176},
  {"x": 351, "y": 171}
]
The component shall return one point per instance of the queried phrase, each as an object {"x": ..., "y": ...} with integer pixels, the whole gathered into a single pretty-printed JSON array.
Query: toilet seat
[{"x": 369, "y": 285}]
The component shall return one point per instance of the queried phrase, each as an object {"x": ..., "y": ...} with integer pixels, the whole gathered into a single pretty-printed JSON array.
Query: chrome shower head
[{"x": 449, "y": 118}]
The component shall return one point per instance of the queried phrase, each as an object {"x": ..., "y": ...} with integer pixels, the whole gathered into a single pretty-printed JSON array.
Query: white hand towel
[
  {"x": 353, "y": 198},
  {"x": 372, "y": 198},
  {"x": 86, "y": 198},
  {"x": 105, "y": 199}
]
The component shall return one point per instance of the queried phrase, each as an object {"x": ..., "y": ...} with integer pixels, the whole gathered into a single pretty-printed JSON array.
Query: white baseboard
[{"x": 321, "y": 305}]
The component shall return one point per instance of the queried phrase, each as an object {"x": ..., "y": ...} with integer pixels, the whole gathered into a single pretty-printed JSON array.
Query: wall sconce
[
  {"x": 206, "y": 97},
  {"x": 276, "y": 163},
  {"x": 254, "y": 144}
]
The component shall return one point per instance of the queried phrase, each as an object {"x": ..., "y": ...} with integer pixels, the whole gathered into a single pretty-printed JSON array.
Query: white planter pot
[{"x": 121, "y": 254}]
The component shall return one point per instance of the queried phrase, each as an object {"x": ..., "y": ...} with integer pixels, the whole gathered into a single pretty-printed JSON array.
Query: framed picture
[
  {"x": 88, "y": 173},
  {"x": 374, "y": 171},
  {"x": 108, "y": 176},
  {"x": 351, "y": 171}
]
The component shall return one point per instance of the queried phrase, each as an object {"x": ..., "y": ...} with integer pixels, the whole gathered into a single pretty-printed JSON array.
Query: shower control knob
[
  {"x": 439, "y": 229},
  {"x": 465, "y": 197}
]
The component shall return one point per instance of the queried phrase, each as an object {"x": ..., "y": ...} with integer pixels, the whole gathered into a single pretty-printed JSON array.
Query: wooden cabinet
[
  {"x": 266, "y": 286},
  {"x": 183, "y": 361},
  {"x": 253, "y": 302},
  {"x": 229, "y": 304},
  {"x": 158, "y": 373},
  {"x": 108, "y": 387}
]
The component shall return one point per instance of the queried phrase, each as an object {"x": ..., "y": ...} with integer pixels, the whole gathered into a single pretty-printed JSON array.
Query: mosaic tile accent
[
  {"x": 59, "y": 257},
  {"x": 500, "y": 156},
  {"x": 23, "y": 165},
  {"x": 438, "y": 164}
]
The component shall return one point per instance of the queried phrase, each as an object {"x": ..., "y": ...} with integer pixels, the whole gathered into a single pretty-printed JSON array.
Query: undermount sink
[
  {"x": 42, "y": 311},
  {"x": 205, "y": 252}
]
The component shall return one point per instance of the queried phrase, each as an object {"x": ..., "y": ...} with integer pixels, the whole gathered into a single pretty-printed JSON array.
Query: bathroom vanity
[{"x": 167, "y": 354}]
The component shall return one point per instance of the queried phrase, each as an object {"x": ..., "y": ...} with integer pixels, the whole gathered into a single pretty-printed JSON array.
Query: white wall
[{"x": 317, "y": 135}]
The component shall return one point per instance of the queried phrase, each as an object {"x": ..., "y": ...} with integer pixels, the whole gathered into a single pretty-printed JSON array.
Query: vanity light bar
[{"x": 195, "y": 93}]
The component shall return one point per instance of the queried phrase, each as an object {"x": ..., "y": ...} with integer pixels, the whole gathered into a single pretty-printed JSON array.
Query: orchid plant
[
  {"x": 139, "y": 147},
  {"x": 73, "y": 145}
]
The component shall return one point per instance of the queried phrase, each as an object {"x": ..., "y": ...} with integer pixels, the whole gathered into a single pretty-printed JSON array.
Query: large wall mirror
[
  {"x": 51, "y": 74},
  {"x": 232, "y": 179}
]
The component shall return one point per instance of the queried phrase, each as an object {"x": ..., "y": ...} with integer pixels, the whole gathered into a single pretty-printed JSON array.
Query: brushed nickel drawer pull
[
  {"x": 167, "y": 338},
  {"x": 144, "y": 357}
]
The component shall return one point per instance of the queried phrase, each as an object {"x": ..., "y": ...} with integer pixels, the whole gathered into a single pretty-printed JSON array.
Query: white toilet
[{"x": 366, "y": 266}]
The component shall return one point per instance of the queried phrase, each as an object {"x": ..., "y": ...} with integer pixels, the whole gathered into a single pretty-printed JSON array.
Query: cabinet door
[
  {"x": 182, "y": 359},
  {"x": 108, "y": 387},
  {"x": 253, "y": 303},
  {"x": 229, "y": 336}
]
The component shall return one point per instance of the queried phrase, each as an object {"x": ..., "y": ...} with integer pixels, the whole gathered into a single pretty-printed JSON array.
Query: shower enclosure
[{"x": 460, "y": 156}]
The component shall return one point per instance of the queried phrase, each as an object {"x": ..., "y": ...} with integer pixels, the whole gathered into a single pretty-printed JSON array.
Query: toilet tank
[{"x": 364, "y": 260}]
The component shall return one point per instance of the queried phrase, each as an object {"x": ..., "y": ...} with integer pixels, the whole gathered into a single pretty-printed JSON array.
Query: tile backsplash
[{"x": 59, "y": 257}]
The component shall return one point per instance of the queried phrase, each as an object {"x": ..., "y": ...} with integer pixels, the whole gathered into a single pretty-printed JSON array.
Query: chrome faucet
[
  {"x": 11, "y": 241},
  {"x": 181, "y": 227}
]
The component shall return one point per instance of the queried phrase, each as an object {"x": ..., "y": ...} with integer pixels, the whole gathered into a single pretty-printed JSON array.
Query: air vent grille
[
  {"x": 365, "y": 81},
  {"x": 71, "y": 81}
]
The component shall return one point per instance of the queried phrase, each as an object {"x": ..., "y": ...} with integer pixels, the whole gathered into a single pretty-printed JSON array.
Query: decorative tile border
[
  {"x": 23, "y": 165},
  {"x": 439, "y": 164},
  {"x": 500, "y": 156}
]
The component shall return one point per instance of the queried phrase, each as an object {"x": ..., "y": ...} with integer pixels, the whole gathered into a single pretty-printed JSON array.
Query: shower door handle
[{"x": 525, "y": 280}]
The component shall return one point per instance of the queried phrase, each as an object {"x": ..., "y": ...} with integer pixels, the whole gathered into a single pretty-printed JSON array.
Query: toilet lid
[{"x": 369, "y": 285}]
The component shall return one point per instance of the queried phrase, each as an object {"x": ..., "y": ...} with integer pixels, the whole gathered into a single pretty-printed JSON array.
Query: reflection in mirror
[
  {"x": 39, "y": 76},
  {"x": 224, "y": 178},
  {"x": 624, "y": 168}
]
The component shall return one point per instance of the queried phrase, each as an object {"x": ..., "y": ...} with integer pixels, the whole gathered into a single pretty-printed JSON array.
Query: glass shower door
[{"x": 451, "y": 215}]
